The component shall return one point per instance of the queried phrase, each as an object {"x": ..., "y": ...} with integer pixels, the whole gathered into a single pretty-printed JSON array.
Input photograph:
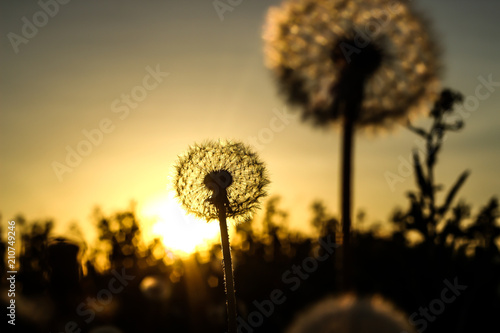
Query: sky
[{"x": 199, "y": 75}]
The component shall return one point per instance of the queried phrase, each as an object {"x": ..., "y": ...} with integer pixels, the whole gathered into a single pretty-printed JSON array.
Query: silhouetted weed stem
[{"x": 428, "y": 214}]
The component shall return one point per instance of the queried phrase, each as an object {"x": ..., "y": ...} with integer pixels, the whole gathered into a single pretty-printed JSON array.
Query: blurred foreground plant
[{"x": 352, "y": 314}]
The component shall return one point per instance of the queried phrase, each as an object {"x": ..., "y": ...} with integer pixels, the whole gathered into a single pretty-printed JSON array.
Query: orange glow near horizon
[{"x": 181, "y": 233}]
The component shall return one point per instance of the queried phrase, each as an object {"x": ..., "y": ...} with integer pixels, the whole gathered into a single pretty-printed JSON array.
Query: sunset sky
[{"x": 197, "y": 77}]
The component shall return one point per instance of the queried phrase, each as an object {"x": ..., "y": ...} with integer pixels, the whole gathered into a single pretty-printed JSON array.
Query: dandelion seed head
[
  {"x": 309, "y": 44},
  {"x": 213, "y": 169},
  {"x": 350, "y": 314}
]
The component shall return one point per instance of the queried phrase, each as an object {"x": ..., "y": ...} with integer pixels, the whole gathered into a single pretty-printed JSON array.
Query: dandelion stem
[
  {"x": 347, "y": 150},
  {"x": 352, "y": 106},
  {"x": 346, "y": 205},
  {"x": 228, "y": 270}
]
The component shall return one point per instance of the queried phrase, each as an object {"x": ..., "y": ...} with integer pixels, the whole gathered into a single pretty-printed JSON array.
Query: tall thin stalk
[
  {"x": 346, "y": 196},
  {"x": 228, "y": 270},
  {"x": 351, "y": 88}
]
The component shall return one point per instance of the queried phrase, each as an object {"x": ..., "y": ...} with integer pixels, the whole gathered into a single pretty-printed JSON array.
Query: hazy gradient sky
[{"x": 71, "y": 74}]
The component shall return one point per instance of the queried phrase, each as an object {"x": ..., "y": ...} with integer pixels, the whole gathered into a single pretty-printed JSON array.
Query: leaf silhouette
[
  {"x": 418, "y": 131},
  {"x": 422, "y": 182},
  {"x": 449, "y": 198}
]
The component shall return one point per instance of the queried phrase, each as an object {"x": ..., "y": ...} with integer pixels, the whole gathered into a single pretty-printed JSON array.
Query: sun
[{"x": 181, "y": 233}]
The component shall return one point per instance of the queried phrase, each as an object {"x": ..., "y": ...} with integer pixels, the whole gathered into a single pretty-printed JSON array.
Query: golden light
[{"x": 181, "y": 233}]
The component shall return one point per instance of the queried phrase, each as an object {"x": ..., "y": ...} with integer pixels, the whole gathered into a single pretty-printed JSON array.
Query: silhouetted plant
[
  {"x": 485, "y": 229},
  {"x": 322, "y": 221},
  {"x": 121, "y": 232},
  {"x": 122, "y": 244},
  {"x": 220, "y": 180},
  {"x": 425, "y": 214},
  {"x": 64, "y": 271},
  {"x": 442, "y": 224},
  {"x": 274, "y": 217},
  {"x": 275, "y": 230},
  {"x": 33, "y": 264},
  {"x": 339, "y": 75},
  {"x": 410, "y": 276}
]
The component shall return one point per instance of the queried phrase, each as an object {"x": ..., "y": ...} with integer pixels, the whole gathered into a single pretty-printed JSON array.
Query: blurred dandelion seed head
[
  {"x": 309, "y": 44},
  {"x": 214, "y": 168},
  {"x": 349, "y": 314}
]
